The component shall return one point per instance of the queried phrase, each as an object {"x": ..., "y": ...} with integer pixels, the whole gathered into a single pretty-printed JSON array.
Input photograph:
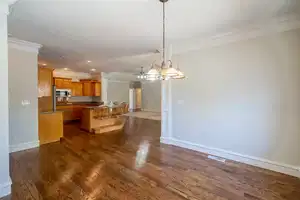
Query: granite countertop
[
  {"x": 79, "y": 103},
  {"x": 50, "y": 112}
]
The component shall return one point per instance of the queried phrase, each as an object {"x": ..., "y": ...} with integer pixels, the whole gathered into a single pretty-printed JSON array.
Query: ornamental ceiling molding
[
  {"x": 23, "y": 45},
  {"x": 284, "y": 24}
]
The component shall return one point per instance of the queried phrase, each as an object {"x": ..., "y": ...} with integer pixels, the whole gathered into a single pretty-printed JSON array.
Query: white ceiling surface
[{"x": 120, "y": 35}]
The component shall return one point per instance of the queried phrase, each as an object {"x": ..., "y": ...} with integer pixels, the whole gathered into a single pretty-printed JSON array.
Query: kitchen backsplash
[{"x": 84, "y": 99}]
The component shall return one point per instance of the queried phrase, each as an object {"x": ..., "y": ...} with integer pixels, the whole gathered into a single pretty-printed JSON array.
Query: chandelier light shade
[
  {"x": 166, "y": 70},
  {"x": 153, "y": 74},
  {"x": 180, "y": 75}
]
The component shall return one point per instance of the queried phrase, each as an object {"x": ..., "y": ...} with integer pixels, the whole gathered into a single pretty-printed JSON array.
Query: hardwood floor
[{"x": 134, "y": 165}]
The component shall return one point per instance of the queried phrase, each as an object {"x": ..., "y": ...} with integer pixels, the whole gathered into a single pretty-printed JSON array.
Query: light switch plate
[{"x": 25, "y": 102}]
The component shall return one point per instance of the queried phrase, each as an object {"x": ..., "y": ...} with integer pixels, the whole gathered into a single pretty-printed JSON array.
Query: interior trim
[
  {"x": 5, "y": 189},
  {"x": 250, "y": 160},
  {"x": 23, "y": 146},
  {"x": 23, "y": 45}
]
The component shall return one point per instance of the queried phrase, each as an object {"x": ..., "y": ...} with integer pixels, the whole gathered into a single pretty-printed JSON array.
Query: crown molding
[
  {"x": 269, "y": 27},
  {"x": 23, "y": 45}
]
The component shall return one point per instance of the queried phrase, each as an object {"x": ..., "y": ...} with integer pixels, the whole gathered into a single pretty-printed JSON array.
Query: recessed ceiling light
[
  {"x": 44, "y": 64},
  {"x": 93, "y": 70},
  {"x": 66, "y": 69},
  {"x": 89, "y": 61}
]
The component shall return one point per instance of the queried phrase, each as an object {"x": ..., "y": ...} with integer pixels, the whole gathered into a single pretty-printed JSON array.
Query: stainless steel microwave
[{"x": 63, "y": 93}]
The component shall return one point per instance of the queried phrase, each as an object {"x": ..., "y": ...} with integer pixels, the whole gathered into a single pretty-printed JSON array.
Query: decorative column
[
  {"x": 166, "y": 111},
  {"x": 104, "y": 86}
]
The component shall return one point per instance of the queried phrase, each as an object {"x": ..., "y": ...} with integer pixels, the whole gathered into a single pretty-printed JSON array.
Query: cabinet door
[
  {"x": 67, "y": 84},
  {"x": 59, "y": 83},
  {"x": 79, "y": 89},
  {"x": 97, "y": 89},
  {"x": 44, "y": 82},
  {"x": 87, "y": 89},
  {"x": 73, "y": 90},
  {"x": 77, "y": 112},
  {"x": 76, "y": 89}
]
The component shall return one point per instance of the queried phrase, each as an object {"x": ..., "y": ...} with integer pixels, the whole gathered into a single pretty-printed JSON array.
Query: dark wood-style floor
[{"x": 134, "y": 165}]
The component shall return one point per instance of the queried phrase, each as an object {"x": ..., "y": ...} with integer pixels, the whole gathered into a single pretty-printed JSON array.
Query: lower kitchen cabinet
[{"x": 71, "y": 112}]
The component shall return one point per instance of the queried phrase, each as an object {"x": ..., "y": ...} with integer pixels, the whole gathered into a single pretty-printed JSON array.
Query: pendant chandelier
[
  {"x": 166, "y": 70},
  {"x": 142, "y": 75}
]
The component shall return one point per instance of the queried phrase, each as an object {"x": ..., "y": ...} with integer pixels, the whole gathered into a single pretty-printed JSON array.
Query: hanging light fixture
[
  {"x": 142, "y": 75},
  {"x": 180, "y": 75},
  {"x": 166, "y": 70},
  {"x": 153, "y": 74}
]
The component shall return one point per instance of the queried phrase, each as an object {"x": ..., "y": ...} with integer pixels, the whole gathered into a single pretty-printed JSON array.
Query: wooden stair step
[{"x": 109, "y": 128}]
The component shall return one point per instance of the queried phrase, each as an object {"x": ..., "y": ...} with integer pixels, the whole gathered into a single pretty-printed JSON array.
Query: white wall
[
  {"x": 151, "y": 96},
  {"x": 115, "y": 86},
  {"x": 4, "y": 156},
  {"x": 23, "y": 83},
  {"x": 242, "y": 97},
  {"x": 118, "y": 91}
]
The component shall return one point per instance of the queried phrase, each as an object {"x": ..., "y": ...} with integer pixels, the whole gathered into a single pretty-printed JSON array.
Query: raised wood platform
[
  {"x": 115, "y": 125},
  {"x": 98, "y": 120}
]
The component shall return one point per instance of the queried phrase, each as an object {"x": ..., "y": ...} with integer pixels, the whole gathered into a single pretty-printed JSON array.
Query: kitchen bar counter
[
  {"x": 73, "y": 111},
  {"x": 79, "y": 103}
]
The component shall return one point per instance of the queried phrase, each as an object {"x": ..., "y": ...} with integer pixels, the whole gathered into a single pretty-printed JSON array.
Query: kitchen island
[
  {"x": 73, "y": 111},
  {"x": 103, "y": 119}
]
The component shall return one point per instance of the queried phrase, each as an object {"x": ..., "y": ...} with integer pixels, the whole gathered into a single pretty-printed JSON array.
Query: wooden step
[{"x": 109, "y": 128}]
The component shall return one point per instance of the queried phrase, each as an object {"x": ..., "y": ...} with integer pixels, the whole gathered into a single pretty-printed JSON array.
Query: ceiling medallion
[{"x": 165, "y": 71}]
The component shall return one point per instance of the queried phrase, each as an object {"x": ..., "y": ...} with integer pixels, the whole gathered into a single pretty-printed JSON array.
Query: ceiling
[{"x": 122, "y": 35}]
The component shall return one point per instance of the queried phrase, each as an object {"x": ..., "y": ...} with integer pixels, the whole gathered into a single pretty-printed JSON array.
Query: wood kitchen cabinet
[
  {"x": 87, "y": 88},
  {"x": 50, "y": 127},
  {"x": 91, "y": 88},
  {"x": 77, "y": 89},
  {"x": 62, "y": 83},
  {"x": 71, "y": 112},
  {"x": 97, "y": 89},
  {"x": 45, "y": 82}
]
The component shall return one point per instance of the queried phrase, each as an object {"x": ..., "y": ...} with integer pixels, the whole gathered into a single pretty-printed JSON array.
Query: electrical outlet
[{"x": 223, "y": 160}]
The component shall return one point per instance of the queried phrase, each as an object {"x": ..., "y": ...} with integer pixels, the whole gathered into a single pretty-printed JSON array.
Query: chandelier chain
[{"x": 166, "y": 71}]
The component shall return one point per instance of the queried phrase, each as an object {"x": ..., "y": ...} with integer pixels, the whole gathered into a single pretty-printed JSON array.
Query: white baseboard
[
  {"x": 5, "y": 189},
  {"x": 23, "y": 146},
  {"x": 250, "y": 160}
]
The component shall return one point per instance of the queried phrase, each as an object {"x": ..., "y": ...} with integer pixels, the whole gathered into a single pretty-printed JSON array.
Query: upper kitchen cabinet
[
  {"x": 87, "y": 88},
  {"x": 97, "y": 89},
  {"x": 45, "y": 82},
  {"x": 91, "y": 88},
  {"x": 77, "y": 89},
  {"x": 63, "y": 83}
]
